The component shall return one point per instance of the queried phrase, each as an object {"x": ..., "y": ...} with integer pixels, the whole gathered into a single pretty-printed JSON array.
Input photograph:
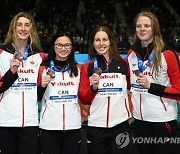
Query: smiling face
[
  {"x": 23, "y": 29},
  {"x": 62, "y": 47},
  {"x": 144, "y": 30},
  {"x": 101, "y": 43}
]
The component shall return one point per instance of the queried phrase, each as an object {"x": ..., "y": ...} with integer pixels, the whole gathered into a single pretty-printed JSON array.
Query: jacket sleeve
[
  {"x": 40, "y": 89},
  {"x": 43, "y": 56},
  {"x": 127, "y": 73},
  {"x": 86, "y": 93},
  {"x": 7, "y": 80},
  {"x": 172, "y": 91}
]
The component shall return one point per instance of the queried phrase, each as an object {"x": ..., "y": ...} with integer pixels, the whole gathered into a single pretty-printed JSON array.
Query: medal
[
  {"x": 137, "y": 72},
  {"x": 19, "y": 56},
  {"x": 98, "y": 71},
  {"x": 51, "y": 73}
]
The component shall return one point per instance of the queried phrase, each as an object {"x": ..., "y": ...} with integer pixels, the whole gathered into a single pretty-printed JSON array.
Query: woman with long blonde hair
[
  {"x": 155, "y": 85},
  {"x": 20, "y": 58}
]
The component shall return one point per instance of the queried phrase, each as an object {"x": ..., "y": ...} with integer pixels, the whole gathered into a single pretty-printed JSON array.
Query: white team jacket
[
  {"x": 60, "y": 108},
  {"x": 109, "y": 109},
  {"x": 146, "y": 106},
  {"x": 18, "y": 104}
]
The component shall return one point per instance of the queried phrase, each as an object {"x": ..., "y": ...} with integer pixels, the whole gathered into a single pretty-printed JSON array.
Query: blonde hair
[
  {"x": 12, "y": 36},
  {"x": 158, "y": 41}
]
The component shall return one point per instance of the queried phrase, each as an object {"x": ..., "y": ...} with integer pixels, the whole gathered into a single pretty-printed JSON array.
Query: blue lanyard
[
  {"x": 52, "y": 67},
  {"x": 96, "y": 64},
  {"x": 140, "y": 62},
  {"x": 26, "y": 52}
]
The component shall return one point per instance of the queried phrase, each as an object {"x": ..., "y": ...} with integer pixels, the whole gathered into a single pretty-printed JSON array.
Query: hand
[
  {"x": 142, "y": 80},
  {"x": 95, "y": 81},
  {"x": 14, "y": 64},
  {"x": 45, "y": 81}
]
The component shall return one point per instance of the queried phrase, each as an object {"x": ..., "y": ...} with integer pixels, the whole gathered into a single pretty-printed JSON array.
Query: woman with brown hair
[{"x": 103, "y": 85}]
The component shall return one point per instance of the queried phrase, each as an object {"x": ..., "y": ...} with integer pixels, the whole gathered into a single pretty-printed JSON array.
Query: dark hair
[
  {"x": 52, "y": 53},
  {"x": 113, "y": 50},
  {"x": 70, "y": 59}
]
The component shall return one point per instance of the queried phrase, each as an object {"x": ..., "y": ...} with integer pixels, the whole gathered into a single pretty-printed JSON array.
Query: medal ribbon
[
  {"x": 96, "y": 64},
  {"x": 140, "y": 62},
  {"x": 52, "y": 67}
]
